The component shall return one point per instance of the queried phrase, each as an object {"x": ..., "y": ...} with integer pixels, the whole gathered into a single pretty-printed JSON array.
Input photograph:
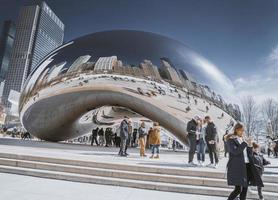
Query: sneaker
[
  {"x": 144, "y": 155},
  {"x": 151, "y": 156},
  {"x": 199, "y": 163},
  {"x": 210, "y": 165},
  {"x": 215, "y": 166}
]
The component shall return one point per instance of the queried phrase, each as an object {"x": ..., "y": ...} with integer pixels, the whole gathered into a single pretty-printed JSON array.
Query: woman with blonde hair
[{"x": 241, "y": 171}]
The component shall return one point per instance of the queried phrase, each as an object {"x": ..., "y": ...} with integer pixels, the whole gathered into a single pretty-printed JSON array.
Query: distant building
[
  {"x": 38, "y": 32},
  {"x": 55, "y": 70},
  {"x": 106, "y": 63},
  {"x": 150, "y": 70},
  {"x": 78, "y": 63},
  {"x": 6, "y": 45},
  {"x": 170, "y": 71}
]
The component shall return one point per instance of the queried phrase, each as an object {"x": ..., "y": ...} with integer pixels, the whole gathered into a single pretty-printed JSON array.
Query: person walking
[
  {"x": 225, "y": 144},
  {"x": 154, "y": 139},
  {"x": 211, "y": 140},
  {"x": 201, "y": 142},
  {"x": 123, "y": 136},
  {"x": 241, "y": 171},
  {"x": 142, "y": 139},
  {"x": 259, "y": 162},
  {"x": 129, "y": 135},
  {"x": 94, "y": 136},
  {"x": 107, "y": 135},
  {"x": 191, "y": 130},
  {"x": 101, "y": 136}
]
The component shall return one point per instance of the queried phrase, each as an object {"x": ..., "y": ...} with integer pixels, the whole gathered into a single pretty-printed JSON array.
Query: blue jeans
[
  {"x": 201, "y": 149},
  {"x": 155, "y": 147}
]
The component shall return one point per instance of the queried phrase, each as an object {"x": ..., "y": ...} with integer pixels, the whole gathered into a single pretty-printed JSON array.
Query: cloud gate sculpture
[{"x": 152, "y": 75}]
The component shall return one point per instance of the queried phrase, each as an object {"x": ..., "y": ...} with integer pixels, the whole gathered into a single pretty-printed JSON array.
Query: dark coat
[
  {"x": 124, "y": 130},
  {"x": 95, "y": 131},
  {"x": 191, "y": 128},
  {"x": 211, "y": 132},
  {"x": 260, "y": 162},
  {"x": 236, "y": 167}
]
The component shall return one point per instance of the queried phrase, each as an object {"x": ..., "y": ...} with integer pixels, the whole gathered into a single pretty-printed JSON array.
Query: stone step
[
  {"x": 115, "y": 173},
  {"x": 125, "y": 167},
  {"x": 168, "y": 187},
  {"x": 129, "y": 167}
]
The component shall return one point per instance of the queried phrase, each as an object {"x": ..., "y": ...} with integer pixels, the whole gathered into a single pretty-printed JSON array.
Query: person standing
[
  {"x": 225, "y": 144},
  {"x": 259, "y": 162},
  {"x": 211, "y": 140},
  {"x": 129, "y": 135},
  {"x": 142, "y": 139},
  {"x": 94, "y": 136},
  {"x": 191, "y": 130},
  {"x": 101, "y": 136},
  {"x": 201, "y": 143},
  {"x": 106, "y": 136},
  {"x": 134, "y": 138},
  {"x": 123, "y": 136},
  {"x": 154, "y": 139},
  {"x": 241, "y": 171}
]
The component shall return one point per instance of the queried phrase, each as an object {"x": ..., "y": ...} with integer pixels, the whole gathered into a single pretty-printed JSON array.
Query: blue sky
[{"x": 238, "y": 36}]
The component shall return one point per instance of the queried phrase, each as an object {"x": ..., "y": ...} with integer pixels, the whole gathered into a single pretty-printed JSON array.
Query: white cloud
[{"x": 261, "y": 84}]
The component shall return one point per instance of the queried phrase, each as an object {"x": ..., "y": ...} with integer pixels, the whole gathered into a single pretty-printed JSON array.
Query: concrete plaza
[
  {"x": 14, "y": 187},
  {"x": 28, "y": 187}
]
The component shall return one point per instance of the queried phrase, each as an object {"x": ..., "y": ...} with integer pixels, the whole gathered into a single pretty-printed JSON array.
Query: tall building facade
[
  {"x": 78, "y": 63},
  {"x": 38, "y": 32},
  {"x": 6, "y": 45},
  {"x": 106, "y": 63},
  {"x": 150, "y": 70},
  {"x": 170, "y": 71}
]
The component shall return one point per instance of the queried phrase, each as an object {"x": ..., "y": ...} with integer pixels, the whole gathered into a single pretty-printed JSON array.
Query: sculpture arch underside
[{"x": 55, "y": 116}]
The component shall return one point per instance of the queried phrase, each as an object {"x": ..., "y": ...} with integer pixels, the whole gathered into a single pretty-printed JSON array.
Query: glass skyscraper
[
  {"x": 38, "y": 32},
  {"x": 6, "y": 45}
]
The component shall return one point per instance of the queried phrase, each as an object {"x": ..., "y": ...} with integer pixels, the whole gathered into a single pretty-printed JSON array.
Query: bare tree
[
  {"x": 250, "y": 115},
  {"x": 270, "y": 113}
]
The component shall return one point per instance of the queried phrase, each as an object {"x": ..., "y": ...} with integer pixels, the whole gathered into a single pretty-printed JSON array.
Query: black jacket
[
  {"x": 191, "y": 128},
  {"x": 95, "y": 131},
  {"x": 236, "y": 167},
  {"x": 124, "y": 130},
  {"x": 101, "y": 132},
  {"x": 260, "y": 162},
  {"x": 211, "y": 132}
]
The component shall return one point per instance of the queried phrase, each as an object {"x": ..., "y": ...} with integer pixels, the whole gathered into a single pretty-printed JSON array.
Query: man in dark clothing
[
  {"x": 124, "y": 136},
  {"x": 94, "y": 136},
  {"x": 101, "y": 136},
  {"x": 225, "y": 143},
  {"x": 191, "y": 130},
  {"x": 211, "y": 139}
]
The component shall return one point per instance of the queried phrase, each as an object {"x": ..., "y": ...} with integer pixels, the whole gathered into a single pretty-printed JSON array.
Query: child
[
  {"x": 259, "y": 162},
  {"x": 154, "y": 140}
]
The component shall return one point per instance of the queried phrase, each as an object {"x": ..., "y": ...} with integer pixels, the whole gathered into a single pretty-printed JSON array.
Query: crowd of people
[
  {"x": 245, "y": 165},
  {"x": 152, "y": 137},
  {"x": 129, "y": 137},
  {"x": 202, "y": 134}
]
